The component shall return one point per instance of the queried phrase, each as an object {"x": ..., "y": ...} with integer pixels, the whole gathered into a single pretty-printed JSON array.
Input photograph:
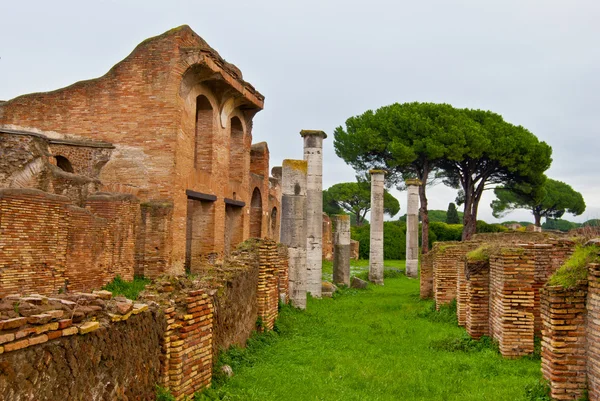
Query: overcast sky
[{"x": 319, "y": 62}]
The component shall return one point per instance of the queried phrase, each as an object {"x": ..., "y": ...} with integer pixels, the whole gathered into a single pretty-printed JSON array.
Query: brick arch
[
  {"x": 204, "y": 134},
  {"x": 256, "y": 214},
  {"x": 237, "y": 153}
]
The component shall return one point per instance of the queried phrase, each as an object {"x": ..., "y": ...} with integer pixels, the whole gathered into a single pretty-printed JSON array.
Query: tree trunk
[
  {"x": 424, "y": 218},
  {"x": 538, "y": 219},
  {"x": 470, "y": 212}
]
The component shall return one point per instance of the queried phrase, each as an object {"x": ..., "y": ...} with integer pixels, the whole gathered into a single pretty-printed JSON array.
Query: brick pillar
[
  {"x": 426, "y": 283},
  {"x": 313, "y": 154},
  {"x": 268, "y": 291},
  {"x": 376, "y": 250},
  {"x": 563, "y": 314},
  {"x": 293, "y": 227},
  {"x": 512, "y": 300},
  {"x": 341, "y": 250},
  {"x": 412, "y": 228},
  {"x": 478, "y": 298},
  {"x": 461, "y": 292},
  {"x": 593, "y": 332}
]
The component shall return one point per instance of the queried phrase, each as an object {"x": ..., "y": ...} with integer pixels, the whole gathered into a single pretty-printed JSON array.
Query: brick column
[
  {"x": 293, "y": 227},
  {"x": 426, "y": 283},
  {"x": 412, "y": 228},
  {"x": 376, "y": 250},
  {"x": 341, "y": 250},
  {"x": 313, "y": 154},
  {"x": 563, "y": 314},
  {"x": 593, "y": 332},
  {"x": 478, "y": 298}
]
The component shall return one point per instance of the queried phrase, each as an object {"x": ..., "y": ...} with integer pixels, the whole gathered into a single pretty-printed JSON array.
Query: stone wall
[
  {"x": 80, "y": 347},
  {"x": 48, "y": 245}
]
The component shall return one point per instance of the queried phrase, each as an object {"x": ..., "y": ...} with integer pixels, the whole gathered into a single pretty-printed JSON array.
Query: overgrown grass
[
  {"x": 575, "y": 268},
  {"x": 360, "y": 268},
  {"x": 128, "y": 289},
  {"x": 380, "y": 344}
]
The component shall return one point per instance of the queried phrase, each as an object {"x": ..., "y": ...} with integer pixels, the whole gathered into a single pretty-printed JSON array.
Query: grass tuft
[
  {"x": 128, "y": 289},
  {"x": 575, "y": 268}
]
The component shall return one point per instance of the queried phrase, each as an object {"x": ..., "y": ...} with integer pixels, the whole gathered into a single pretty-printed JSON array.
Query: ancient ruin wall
[
  {"x": 48, "y": 245},
  {"x": 55, "y": 349},
  {"x": 478, "y": 298},
  {"x": 564, "y": 341},
  {"x": 426, "y": 275},
  {"x": 593, "y": 332}
]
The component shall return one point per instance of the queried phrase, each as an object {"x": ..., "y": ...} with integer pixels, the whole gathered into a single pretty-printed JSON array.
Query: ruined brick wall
[
  {"x": 268, "y": 283},
  {"x": 88, "y": 262},
  {"x": 180, "y": 118},
  {"x": 121, "y": 212},
  {"x": 564, "y": 341},
  {"x": 593, "y": 332},
  {"x": 48, "y": 245},
  {"x": 512, "y": 296},
  {"x": 448, "y": 259},
  {"x": 426, "y": 275},
  {"x": 55, "y": 350},
  {"x": 87, "y": 161},
  {"x": 187, "y": 344},
  {"x": 33, "y": 241},
  {"x": 153, "y": 244},
  {"x": 24, "y": 162},
  {"x": 477, "y": 301},
  {"x": 327, "y": 238}
]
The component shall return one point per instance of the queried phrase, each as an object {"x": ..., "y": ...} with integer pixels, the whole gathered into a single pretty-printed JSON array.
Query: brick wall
[
  {"x": 512, "y": 296},
  {"x": 153, "y": 246},
  {"x": 48, "y": 245},
  {"x": 121, "y": 212},
  {"x": 173, "y": 125},
  {"x": 478, "y": 298},
  {"x": 448, "y": 259},
  {"x": 33, "y": 241},
  {"x": 187, "y": 344},
  {"x": 593, "y": 332},
  {"x": 564, "y": 341},
  {"x": 426, "y": 275},
  {"x": 78, "y": 347},
  {"x": 327, "y": 238}
]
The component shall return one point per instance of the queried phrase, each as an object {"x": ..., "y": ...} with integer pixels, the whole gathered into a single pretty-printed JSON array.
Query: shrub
[
  {"x": 483, "y": 227},
  {"x": 128, "y": 289},
  {"x": 575, "y": 268},
  {"x": 445, "y": 232}
]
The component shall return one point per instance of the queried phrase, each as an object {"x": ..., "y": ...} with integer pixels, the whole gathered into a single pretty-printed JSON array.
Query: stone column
[
  {"x": 293, "y": 227},
  {"x": 376, "y": 251},
  {"x": 412, "y": 228},
  {"x": 313, "y": 154},
  {"x": 341, "y": 249}
]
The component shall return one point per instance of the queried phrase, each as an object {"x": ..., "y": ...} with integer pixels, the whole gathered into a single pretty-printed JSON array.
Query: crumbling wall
[{"x": 78, "y": 348}]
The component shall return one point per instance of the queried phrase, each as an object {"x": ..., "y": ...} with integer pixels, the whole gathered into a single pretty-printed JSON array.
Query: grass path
[{"x": 382, "y": 343}]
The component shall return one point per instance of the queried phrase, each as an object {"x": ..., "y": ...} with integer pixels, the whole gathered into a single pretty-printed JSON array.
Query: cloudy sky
[{"x": 319, "y": 62}]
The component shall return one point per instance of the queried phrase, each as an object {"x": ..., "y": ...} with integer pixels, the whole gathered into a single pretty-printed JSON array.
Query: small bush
[
  {"x": 465, "y": 343},
  {"x": 446, "y": 313},
  {"x": 446, "y": 232},
  {"x": 163, "y": 394},
  {"x": 539, "y": 391},
  {"x": 575, "y": 268},
  {"x": 128, "y": 289}
]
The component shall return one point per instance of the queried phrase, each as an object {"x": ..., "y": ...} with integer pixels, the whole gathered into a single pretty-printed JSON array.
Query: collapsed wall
[{"x": 94, "y": 346}]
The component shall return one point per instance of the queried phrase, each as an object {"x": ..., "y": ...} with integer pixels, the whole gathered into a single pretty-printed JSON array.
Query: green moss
[
  {"x": 575, "y": 268},
  {"x": 479, "y": 255}
]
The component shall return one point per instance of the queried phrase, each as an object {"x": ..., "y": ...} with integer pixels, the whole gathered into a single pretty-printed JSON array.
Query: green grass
[
  {"x": 383, "y": 343},
  {"x": 128, "y": 289},
  {"x": 575, "y": 268},
  {"x": 360, "y": 268}
]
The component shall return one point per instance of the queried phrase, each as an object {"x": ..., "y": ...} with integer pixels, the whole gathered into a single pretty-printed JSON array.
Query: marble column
[
  {"x": 313, "y": 154},
  {"x": 412, "y": 228},
  {"x": 376, "y": 248},
  {"x": 341, "y": 249},
  {"x": 293, "y": 227}
]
